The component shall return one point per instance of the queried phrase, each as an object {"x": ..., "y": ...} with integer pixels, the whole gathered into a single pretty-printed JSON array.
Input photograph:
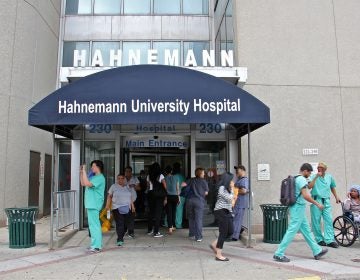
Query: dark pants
[
  {"x": 194, "y": 210},
  {"x": 122, "y": 221},
  {"x": 225, "y": 222},
  {"x": 156, "y": 206},
  {"x": 172, "y": 202}
]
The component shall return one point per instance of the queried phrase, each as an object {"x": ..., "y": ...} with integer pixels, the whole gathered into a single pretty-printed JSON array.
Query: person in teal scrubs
[
  {"x": 94, "y": 200},
  {"x": 298, "y": 220},
  {"x": 321, "y": 184}
]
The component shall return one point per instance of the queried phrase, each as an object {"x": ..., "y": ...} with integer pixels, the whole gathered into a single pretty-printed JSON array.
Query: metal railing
[{"x": 64, "y": 209}]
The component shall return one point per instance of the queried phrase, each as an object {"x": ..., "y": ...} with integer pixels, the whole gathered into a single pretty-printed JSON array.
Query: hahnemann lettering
[{"x": 75, "y": 107}]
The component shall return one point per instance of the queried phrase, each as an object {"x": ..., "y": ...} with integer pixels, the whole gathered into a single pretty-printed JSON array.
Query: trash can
[
  {"x": 275, "y": 222},
  {"x": 21, "y": 223}
]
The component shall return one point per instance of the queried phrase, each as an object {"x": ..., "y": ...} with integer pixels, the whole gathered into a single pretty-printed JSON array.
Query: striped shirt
[{"x": 224, "y": 199}]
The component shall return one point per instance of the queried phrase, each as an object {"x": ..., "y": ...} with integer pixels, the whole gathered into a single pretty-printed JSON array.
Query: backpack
[
  {"x": 159, "y": 190},
  {"x": 287, "y": 192}
]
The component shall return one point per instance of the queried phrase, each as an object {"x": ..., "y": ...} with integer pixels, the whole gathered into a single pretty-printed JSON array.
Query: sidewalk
[{"x": 171, "y": 257}]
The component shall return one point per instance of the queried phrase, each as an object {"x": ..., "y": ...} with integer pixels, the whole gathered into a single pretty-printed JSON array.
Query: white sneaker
[
  {"x": 199, "y": 240},
  {"x": 150, "y": 232},
  {"x": 158, "y": 234}
]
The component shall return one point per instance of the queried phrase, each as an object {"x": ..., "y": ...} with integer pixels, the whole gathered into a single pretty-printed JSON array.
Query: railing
[{"x": 64, "y": 209}]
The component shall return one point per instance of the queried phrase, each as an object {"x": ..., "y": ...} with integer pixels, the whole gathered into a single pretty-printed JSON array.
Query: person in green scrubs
[
  {"x": 94, "y": 200},
  {"x": 321, "y": 184},
  {"x": 298, "y": 221}
]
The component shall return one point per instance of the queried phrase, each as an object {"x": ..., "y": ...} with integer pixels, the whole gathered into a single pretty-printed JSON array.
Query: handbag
[{"x": 124, "y": 209}]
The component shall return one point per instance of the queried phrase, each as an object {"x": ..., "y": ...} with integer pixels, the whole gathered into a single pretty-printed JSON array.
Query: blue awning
[{"x": 148, "y": 94}]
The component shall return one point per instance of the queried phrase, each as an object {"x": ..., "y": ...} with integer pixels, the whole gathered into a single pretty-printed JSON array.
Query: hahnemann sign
[
  {"x": 171, "y": 58},
  {"x": 148, "y": 106}
]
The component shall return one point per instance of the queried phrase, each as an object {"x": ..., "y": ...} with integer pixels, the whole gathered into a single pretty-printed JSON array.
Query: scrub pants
[
  {"x": 179, "y": 212},
  {"x": 95, "y": 228},
  {"x": 326, "y": 214},
  {"x": 239, "y": 212},
  {"x": 298, "y": 222}
]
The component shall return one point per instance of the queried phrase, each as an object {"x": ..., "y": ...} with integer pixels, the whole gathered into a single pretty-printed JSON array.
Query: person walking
[
  {"x": 242, "y": 200},
  {"x": 195, "y": 202},
  {"x": 172, "y": 187},
  {"x": 122, "y": 207},
  {"x": 321, "y": 184},
  {"x": 298, "y": 220},
  {"x": 223, "y": 214},
  {"x": 94, "y": 200}
]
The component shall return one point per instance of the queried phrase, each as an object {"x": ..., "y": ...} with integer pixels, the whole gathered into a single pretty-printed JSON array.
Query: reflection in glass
[
  {"x": 197, "y": 48},
  {"x": 136, "y": 6},
  {"x": 105, "y": 48},
  {"x": 199, "y": 7},
  {"x": 107, "y": 7},
  {"x": 166, "y": 7},
  {"x": 68, "y": 52},
  {"x": 64, "y": 171},
  {"x": 139, "y": 49},
  {"x": 162, "y": 46},
  {"x": 77, "y": 7}
]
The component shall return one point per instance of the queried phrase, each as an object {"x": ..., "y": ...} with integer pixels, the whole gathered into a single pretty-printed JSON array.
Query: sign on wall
[
  {"x": 161, "y": 141},
  {"x": 263, "y": 171}
]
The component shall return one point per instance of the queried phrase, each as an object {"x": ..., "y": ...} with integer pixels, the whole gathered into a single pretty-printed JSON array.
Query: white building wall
[
  {"x": 303, "y": 62},
  {"x": 28, "y": 52}
]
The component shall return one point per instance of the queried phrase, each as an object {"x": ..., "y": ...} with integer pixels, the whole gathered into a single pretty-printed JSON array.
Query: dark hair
[
  {"x": 128, "y": 168},
  {"x": 122, "y": 174},
  {"x": 242, "y": 167},
  {"x": 225, "y": 180},
  {"x": 306, "y": 166},
  {"x": 154, "y": 172},
  {"x": 176, "y": 168},
  {"x": 168, "y": 169},
  {"x": 99, "y": 164}
]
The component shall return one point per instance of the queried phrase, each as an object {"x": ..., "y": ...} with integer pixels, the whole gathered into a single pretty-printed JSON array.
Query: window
[
  {"x": 135, "y": 53},
  {"x": 199, "y": 7},
  {"x": 136, "y": 6},
  {"x": 104, "y": 48},
  {"x": 68, "y": 52},
  {"x": 75, "y": 7},
  {"x": 64, "y": 171},
  {"x": 197, "y": 48},
  {"x": 166, "y": 7},
  {"x": 211, "y": 155},
  {"x": 107, "y": 7},
  {"x": 171, "y": 46}
]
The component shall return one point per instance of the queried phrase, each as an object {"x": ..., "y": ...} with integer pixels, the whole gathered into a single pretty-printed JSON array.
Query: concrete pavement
[{"x": 171, "y": 257}]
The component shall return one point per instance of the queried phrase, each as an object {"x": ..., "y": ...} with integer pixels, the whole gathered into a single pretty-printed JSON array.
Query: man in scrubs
[
  {"x": 321, "y": 184},
  {"x": 298, "y": 220},
  {"x": 94, "y": 200}
]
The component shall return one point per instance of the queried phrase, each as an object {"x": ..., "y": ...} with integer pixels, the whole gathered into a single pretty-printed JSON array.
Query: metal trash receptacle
[
  {"x": 21, "y": 224},
  {"x": 275, "y": 222}
]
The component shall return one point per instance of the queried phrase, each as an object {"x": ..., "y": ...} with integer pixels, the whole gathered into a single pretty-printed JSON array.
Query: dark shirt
[{"x": 198, "y": 187}]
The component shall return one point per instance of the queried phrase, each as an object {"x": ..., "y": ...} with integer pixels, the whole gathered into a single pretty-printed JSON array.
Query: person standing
[
  {"x": 134, "y": 185},
  {"x": 122, "y": 207},
  {"x": 242, "y": 200},
  {"x": 172, "y": 187},
  {"x": 156, "y": 203},
  {"x": 195, "y": 202},
  {"x": 321, "y": 184},
  {"x": 94, "y": 200},
  {"x": 223, "y": 214},
  {"x": 298, "y": 220},
  {"x": 180, "y": 207}
]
